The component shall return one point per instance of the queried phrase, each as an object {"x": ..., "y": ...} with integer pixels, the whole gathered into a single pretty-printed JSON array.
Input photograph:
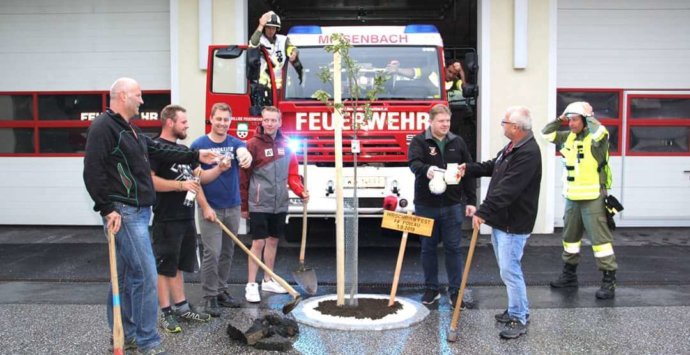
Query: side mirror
[
  {"x": 253, "y": 64},
  {"x": 230, "y": 52}
]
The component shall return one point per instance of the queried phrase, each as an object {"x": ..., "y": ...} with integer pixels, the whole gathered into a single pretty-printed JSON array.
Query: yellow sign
[{"x": 407, "y": 223}]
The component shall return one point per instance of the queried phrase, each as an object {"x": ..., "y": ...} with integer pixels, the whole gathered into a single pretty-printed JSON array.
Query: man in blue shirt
[{"x": 222, "y": 202}]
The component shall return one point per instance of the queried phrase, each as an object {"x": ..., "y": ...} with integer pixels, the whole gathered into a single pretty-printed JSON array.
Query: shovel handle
[
  {"x": 465, "y": 275},
  {"x": 303, "y": 246},
  {"x": 118, "y": 332},
  {"x": 263, "y": 266}
]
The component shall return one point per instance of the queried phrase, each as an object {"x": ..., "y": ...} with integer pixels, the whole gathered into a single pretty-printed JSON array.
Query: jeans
[
  {"x": 137, "y": 278},
  {"x": 508, "y": 249},
  {"x": 447, "y": 229},
  {"x": 218, "y": 250}
]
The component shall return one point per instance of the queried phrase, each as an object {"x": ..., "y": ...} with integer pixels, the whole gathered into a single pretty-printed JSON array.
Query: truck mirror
[
  {"x": 471, "y": 63},
  {"x": 230, "y": 52}
]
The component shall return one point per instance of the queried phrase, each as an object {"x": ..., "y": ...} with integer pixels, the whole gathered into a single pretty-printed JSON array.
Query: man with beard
[{"x": 174, "y": 230}]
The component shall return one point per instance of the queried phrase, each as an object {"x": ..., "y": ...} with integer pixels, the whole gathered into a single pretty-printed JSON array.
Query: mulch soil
[{"x": 373, "y": 308}]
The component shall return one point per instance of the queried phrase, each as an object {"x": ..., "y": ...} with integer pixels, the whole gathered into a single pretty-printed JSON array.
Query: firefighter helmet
[
  {"x": 274, "y": 21},
  {"x": 581, "y": 108}
]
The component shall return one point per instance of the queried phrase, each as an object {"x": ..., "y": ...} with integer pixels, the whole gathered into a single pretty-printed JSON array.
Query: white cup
[
  {"x": 452, "y": 175},
  {"x": 437, "y": 185}
]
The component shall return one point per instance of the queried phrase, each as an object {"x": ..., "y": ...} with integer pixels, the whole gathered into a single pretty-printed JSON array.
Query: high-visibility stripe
[
  {"x": 602, "y": 250},
  {"x": 600, "y": 133},
  {"x": 551, "y": 137},
  {"x": 571, "y": 248}
]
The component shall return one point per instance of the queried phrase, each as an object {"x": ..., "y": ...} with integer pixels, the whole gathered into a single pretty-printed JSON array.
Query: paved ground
[{"x": 48, "y": 306}]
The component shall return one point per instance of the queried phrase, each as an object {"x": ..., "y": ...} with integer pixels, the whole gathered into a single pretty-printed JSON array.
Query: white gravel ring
[{"x": 412, "y": 312}]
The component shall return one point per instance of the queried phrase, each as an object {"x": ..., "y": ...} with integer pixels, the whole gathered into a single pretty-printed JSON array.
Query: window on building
[
  {"x": 55, "y": 123},
  {"x": 659, "y": 124},
  {"x": 607, "y": 109}
]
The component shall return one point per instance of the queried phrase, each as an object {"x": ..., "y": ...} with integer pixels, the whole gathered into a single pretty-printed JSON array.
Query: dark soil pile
[{"x": 374, "y": 308}]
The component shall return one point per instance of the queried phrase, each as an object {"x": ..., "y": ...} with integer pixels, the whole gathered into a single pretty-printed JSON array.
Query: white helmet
[
  {"x": 274, "y": 21},
  {"x": 581, "y": 108}
]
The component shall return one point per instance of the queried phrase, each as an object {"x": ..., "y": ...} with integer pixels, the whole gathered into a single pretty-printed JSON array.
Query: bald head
[{"x": 125, "y": 97}]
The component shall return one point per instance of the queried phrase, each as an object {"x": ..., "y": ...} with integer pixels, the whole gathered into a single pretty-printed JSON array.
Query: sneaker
[
  {"x": 169, "y": 323},
  {"x": 130, "y": 344},
  {"x": 251, "y": 292},
  {"x": 272, "y": 286},
  {"x": 468, "y": 299},
  {"x": 225, "y": 300},
  {"x": 189, "y": 312},
  {"x": 453, "y": 298},
  {"x": 430, "y": 296},
  {"x": 505, "y": 318},
  {"x": 211, "y": 307},
  {"x": 157, "y": 350},
  {"x": 514, "y": 329}
]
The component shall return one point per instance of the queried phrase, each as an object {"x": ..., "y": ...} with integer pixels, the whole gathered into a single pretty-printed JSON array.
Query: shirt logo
[
  {"x": 281, "y": 151},
  {"x": 432, "y": 151},
  {"x": 268, "y": 152},
  {"x": 242, "y": 130}
]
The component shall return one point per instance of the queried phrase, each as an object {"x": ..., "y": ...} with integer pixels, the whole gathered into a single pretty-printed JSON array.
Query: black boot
[
  {"x": 608, "y": 286},
  {"x": 568, "y": 278}
]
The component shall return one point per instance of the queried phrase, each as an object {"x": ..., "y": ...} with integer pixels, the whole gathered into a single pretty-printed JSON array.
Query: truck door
[{"x": 230, "y": 78}]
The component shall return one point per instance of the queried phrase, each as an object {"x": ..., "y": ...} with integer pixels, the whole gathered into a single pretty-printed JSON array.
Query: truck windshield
[{"x": 418, "y": 76}]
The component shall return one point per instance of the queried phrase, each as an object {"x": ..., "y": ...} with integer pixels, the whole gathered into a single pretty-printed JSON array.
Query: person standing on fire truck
[
  {"x": 264, "y": 190},
  {"x": 278, "y": 47},
  {"x": 587, "y": 177},
  {"x": 430, "y": 151}
]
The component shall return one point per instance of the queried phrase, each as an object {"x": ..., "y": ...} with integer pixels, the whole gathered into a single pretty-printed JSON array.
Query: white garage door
[{"x": 72, "y": 46}]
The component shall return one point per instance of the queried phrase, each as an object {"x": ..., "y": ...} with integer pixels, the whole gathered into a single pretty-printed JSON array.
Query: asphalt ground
[{"x": 53, "y": 286}]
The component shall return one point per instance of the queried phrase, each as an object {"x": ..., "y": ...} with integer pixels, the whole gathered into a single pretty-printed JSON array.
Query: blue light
[
  {"x": 305, "y": 30},
  {"x": 294, "y": 144},
  {"x": 420, "y": 29}
]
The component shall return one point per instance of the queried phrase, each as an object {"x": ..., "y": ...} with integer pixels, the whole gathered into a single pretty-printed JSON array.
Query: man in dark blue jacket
[
  {"x": 429, "y": 152},
  {"x": 510, "y": 208},
  {"x": 117, "y": 175}
]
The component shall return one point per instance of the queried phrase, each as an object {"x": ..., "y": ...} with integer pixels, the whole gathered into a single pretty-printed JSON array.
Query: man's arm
[
  {"x": 255, "y": 39},
  {"x": 415, "y": 156},
  {"x": 551, "y": 133},
  {"x": 600, "y": 149},
  {"x": 513, "y": 183},
  {"x": 98, "y": 146}
]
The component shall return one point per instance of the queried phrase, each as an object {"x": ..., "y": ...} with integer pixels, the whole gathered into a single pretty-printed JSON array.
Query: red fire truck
[{"x": 400, "y": 112}]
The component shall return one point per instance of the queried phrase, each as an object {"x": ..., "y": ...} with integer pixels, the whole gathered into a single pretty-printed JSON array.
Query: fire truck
[{"x": 381, "y": 144}]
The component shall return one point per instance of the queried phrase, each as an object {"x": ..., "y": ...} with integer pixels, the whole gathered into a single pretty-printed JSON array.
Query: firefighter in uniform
[
  {"x": 587, "y": 176},
  {"x": 278, "y": 47}
]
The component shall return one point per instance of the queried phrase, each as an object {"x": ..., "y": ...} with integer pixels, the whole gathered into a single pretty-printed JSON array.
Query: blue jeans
[
  {"x": 137, "y": 278},
  {"x": 508, "y": 249},
  {"x": 447, "y": 229}
]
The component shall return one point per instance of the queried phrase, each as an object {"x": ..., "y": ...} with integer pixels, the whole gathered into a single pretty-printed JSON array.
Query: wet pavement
[{"x": 53, "y": 285}]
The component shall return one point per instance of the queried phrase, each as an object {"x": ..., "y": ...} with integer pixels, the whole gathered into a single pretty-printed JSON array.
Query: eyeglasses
[{"x": 503, "y": 123}]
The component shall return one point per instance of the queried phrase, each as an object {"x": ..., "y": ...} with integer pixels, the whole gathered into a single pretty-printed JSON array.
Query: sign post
[{"x": 406, "y": 223}]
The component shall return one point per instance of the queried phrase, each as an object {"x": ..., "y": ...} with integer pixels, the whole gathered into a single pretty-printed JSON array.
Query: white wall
[
  {"x": 83, "y": 45},
  {"x": 72, "y": 45},
  {"x": 631, "y": 44}
]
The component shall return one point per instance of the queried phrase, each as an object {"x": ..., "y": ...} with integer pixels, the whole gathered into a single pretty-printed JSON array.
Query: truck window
[
  {"x": 229, "y": 75},
  {"x": 423, "y": 61}
]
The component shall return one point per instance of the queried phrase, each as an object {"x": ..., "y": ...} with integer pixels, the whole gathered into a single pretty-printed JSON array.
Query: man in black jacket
[
  {"x": 117, "y": 175},
  {"x": 510, "y": 208},
  {"x": 429, "y": 152}
]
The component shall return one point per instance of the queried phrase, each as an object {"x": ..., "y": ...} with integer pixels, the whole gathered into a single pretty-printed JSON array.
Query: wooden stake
[
  {"x": 398, "y": 267},
  {"x": 339, "y": 205}
]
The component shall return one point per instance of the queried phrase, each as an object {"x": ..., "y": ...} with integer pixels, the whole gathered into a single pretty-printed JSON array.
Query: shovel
[
  {"x": 452, "y": 333},
  {"x": 118, "y": 333},
  {"x": 305, "y": 276},
  {"x": 296, "y": 298}
]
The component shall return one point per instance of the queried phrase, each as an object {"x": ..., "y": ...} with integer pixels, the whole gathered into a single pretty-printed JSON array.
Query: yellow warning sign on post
[{"x": 407, "y": 223}]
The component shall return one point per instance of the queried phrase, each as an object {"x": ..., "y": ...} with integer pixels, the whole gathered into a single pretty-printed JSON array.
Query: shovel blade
[
  {"x": 288, "y": 307},
  {"x": 306, "y": 278}
]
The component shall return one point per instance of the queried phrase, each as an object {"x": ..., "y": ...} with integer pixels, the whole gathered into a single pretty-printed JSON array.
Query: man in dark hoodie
[
  {"x": 429, "y": 151},
  {"x": 117, "y": 175},
  {"x": 264, "y": 192},
  {"x": 510, "y": 208}
]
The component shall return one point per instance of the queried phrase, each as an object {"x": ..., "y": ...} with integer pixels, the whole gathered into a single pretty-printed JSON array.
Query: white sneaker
[
  {"x": 272, "y": 286},
  {"x": 251, "y": 292}
]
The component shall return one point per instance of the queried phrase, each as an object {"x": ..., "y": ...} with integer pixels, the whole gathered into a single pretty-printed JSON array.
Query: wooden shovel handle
[
  {"x": 465, "y": 275},
  {"x": 303, "y": 246},
  {"x": 263, "y": 266}
]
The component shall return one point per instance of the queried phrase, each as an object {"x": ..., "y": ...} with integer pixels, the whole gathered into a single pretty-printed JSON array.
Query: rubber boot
[
  {"x": 568, "y": 278},
  {"x": 608, "y": 286}
]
